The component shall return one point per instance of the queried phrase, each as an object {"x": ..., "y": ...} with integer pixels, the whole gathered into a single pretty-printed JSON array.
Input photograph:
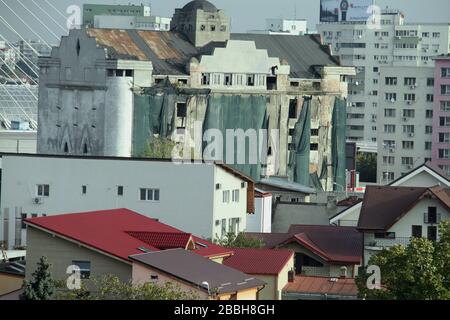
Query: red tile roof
[
  {"x": 337, "y": 245},
  {"x": 163, "y": 240},
  {"x": 322, "y": 286},
  {"x": 108, "y": 231},
  {"x": 259, "y": 261}
]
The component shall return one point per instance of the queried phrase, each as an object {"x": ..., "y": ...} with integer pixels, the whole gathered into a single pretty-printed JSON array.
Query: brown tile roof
[
  {"x": 194, "y": 269},
  {"x": 322, "y": 286},
  {"x": 259, "y": 261},
  {"x": 334, "y": 244},
  {"x": 384, "y": 206}
]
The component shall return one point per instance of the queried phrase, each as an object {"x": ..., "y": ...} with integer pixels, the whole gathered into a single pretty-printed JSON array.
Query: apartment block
[{"x": 395, "y": 67}]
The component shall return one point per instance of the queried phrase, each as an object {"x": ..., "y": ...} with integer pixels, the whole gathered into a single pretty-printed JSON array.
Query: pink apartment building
[{"x": 441, "y": 113}]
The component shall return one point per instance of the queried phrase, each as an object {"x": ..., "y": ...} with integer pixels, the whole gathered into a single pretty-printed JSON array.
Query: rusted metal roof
[{"x": 322, "y": 286}]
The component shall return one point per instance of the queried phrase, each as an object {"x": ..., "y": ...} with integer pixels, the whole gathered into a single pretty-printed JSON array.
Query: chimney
[{"x": 343, "y": 272}]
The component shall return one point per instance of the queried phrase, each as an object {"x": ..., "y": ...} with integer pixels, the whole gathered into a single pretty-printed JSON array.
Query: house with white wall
[
  {"x": 261, "y": 220},
  {"x": 427, "y": 175},
  {"x": 394, "y": 215},
  {"x": 209, "y": 200}
]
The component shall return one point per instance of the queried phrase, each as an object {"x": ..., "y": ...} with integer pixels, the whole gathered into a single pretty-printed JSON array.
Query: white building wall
[
  {"x": 186, "y": 191},
  {"x": 261, "y": 220}
]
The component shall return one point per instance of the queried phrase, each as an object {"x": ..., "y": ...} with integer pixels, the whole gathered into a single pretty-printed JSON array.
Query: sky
[{"x": 245, "y": 14}]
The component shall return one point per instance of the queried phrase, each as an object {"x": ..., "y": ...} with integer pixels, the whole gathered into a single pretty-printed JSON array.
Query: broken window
[
  {"x": 251, "y": 80},
  {"x": 119, "y": 73},
  {"x": 213, "y": 28},
  {"x": 293, "y": 109},
  {"x": 228, "y": 79},
  {"x": 223, "y": 28},
  {"x": 181, "y": 115},
  {"x": 314, "y": 147},
  {"x": 271, "y": 83},
  {"x": 111, "y": 72},
  {"x": 314, "y": 132},
  {"x": 182, "y": 82},
  {"x": 205, "y": 79},
  {"x": 202, "y": 27},
  {"x": 128, "y": 73}
]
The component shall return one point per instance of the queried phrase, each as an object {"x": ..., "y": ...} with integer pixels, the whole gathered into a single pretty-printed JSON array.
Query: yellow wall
[{"x": 10, "y": 283}]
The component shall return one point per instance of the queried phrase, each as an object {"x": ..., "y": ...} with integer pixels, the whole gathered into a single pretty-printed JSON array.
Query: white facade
[
  {"x": 261, "y": 220},
  {"x": 402, "y": 231},
  {"x": 15, "y": 141},
  {"x": 423, "y": 176},
  {"x": 391, "y": 48},
  {"x": 293, "y": 27},
  {"x": 197, "y": 198},
  {"x": 132, "y": 22}
]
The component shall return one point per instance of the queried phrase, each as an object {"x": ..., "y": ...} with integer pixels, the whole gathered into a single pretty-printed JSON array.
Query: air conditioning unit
[
  {"x": 411, "y": 135},
  {"x": 413, "y": 86},
  {"x": 409, "y": 102},
  {"x": 410, "y": 167},
  {"x": 405, "y": 118},
  {"x": 38, "y": 200},
  {"x": 392, "y": 150}
]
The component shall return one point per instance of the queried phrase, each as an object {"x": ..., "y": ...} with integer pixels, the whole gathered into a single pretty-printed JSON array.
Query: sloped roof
[
  {"x": 334, "y": 244},
  {"x": 303, "y": 53},
  {"x": 109, "y": 231},
  {"x": 322, "y": 286},
  {"x": 384, "y": 206},
  {"x": 274, "y": 183},
  {"x": 163, "y": 240},
  {"x": 194, "y": 269},
  {"x": 171, "y": 51},
  {"x": 259, "y": 261}
]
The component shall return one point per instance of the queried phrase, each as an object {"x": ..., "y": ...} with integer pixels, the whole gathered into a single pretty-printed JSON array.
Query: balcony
[{"x": 380, "y": 244}]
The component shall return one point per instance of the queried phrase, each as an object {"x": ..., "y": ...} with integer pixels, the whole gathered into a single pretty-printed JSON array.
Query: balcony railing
[{"x": 383, "y": 243}]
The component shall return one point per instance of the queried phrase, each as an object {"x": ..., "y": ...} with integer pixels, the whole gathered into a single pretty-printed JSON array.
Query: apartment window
[
  {"x": 235, "y": 196},
  {"x": 407, "y": 161},
  {"x": 416, "y": 231},
  {"x": 409, "y": 129},
  {"x": 409, "y": 113},
  {"x": 444, "y": 137},
  {"x": 85, "y": 268},
  {"x": 389, "y": 143},
  {"x": 444, "y": 153},
  {"x": 224, "y": 228},
  {"x": 389, "y": 128},
  {"x": 436, "y": 34},
  {"x": 391, "y": 81},
  {"x": 408, "y": 145},
  {"x": 445, "y": 89},
  {"x": 390, "y": 113},
  {"x": 226, "y": 196},
  {"x": 409, "y": 97},
  {"x": 149, "y": 194},
  {"x": 388, "y": 160},
  {"x": 83, "y": 190},
  {"x": 428, "y": 114},
  {"x": 445, "y": 72},
  {"x": 43, "y": 190},
  {"x": 376, "y": 69},
  {"x": 445, "y": 105},
  {"x": 392, "y": 97},
  {"x": 314, "y": 147},
  {"x": 425, "y": 34},
  {"x": 444, "y": 121},
  {"x": 430, "y": 82},
  {"x": 233, "y": 225},
  {"x": 428, "y": 145},
  {"x": 428, "y": 129},
  {"x": 23, "y": 216},
  {"x": 430, "y": 97},
  {"x": 120, "y": 191},
  {"x": 314, "y": 132}
]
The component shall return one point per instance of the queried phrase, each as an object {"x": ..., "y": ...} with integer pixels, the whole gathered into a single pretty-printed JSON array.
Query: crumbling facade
[{"x": 108, "y": 92}]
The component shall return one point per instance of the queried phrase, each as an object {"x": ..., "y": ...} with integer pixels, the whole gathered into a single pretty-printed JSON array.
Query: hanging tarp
[
  {"x": 300, "y": 156},
  {"x": 232, "y": 112},
  {"x": 339, "y": 143}
]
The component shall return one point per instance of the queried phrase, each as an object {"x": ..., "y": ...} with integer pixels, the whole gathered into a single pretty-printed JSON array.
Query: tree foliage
[
  {"x": 231, "y": 240},
  {"x": 159, "y": 148},
  {"x": 419, "y": 271},
  {"x": 110, "y": 287},
  {"x": 41, "y": 287},
  {"x": 366, "y": 165}
]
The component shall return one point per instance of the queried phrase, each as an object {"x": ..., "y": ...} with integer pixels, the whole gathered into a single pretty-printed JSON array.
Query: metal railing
[{"x": 382, "y": 243}]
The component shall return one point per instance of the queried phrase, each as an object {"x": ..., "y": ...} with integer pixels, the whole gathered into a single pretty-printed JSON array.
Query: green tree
[
  {"x": 110, "y": 287},
  {"x": 231, "y": 240},
  {"x": 366, "y": 165},
  {"x": 42, "y": 286},
  {"x": 159, "y": 148},
  {"x": 419, "y": 271}
]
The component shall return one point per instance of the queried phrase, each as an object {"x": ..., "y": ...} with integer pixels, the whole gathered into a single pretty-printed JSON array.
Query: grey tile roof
[{"x": 192, "y": 268}]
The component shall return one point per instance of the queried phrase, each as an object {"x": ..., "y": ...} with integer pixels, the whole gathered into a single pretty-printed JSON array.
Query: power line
[
  {"x": 50, "y": 16},
  {"x": 23, "y": 56},
  {"x": 39, "y": 20},
  {"x": 18, "y": 78},
  {"x": 54, "y": 8},
  {"x": 4, "y": 61},
  {"x": 18, "y": 34},
  {"x": 26, "y": 24}
]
